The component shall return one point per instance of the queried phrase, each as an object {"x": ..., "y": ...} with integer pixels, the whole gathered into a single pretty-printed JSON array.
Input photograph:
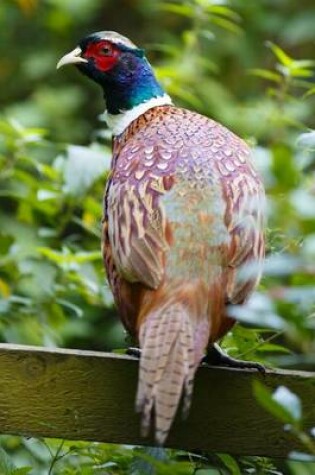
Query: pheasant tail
[{"x": 173, "y": 344}]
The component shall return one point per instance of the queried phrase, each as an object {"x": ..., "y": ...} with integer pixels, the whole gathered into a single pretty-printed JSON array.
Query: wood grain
[{"x": 80, "y": 395}]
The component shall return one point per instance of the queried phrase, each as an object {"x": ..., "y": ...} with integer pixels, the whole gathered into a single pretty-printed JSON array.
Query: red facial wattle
[{"x": 104, "y": 54}]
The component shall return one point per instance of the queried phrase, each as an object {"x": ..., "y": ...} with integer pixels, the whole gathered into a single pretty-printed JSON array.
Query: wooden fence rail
[{"x": 80, "y": 395}]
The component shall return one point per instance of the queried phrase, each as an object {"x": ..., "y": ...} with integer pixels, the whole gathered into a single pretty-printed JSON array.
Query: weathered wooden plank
[{"x": 90, "y": 396}]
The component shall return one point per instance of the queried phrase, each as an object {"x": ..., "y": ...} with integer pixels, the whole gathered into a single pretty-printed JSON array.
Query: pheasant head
[{"x": 123, "y": 72}]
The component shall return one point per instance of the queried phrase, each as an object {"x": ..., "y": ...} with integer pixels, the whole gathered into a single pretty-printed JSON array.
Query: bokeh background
[{"x": 248, "y": 64}]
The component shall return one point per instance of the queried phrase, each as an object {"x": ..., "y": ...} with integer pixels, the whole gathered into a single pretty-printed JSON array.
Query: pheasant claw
[{"x": 217, "y": 357}]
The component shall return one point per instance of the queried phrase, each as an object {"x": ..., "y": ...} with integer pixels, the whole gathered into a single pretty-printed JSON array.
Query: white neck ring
[{"x": 119, "y": 122}]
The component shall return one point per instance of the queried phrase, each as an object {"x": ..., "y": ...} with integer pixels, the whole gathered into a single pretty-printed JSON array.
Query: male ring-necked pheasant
[{"x": 183, "y": 215}]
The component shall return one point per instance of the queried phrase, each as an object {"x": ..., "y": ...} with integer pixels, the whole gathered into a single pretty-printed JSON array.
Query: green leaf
[
  {"x": 6, "y": 242},
  {"x": 300, "y": 72},
  {"x": 184, "y": 10},
  {"x": 307, "y": 140},
  {"x": 284, "y": 166},
  {"x": 147, "y": 460},
  {"x": 208, "y": 471},
  {"x": 284, "y": 59},
  {"x": 266, "y": 74},
  {"x": 71, "y": 306},
  {"x": 259, "y": 311},
  {"x": 68, "y": 258},
  {"x": 289, "y": 401},
  {"x": 230, "y": 464},
  {"x": 6, "y": 465},
  {"x": 223, "y": 11},
  {"x": 22, "y": 471},
  {"x": 310, "y": 92},
  {"x": 276, "y": 403},
  {"x": 303, "y": 457},
  {"x": 83, "y": 166},
  {"x": 304, "y": 63},
  {"x": 272, "y": 348},
  {"x": 226, "y": 24}
]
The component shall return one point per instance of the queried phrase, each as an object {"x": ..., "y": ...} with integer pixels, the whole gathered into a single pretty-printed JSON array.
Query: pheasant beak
[{"x": 74, "y": 57}]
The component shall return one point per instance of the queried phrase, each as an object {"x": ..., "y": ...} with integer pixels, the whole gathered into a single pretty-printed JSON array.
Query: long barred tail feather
[{"x": 172, "y": 346}]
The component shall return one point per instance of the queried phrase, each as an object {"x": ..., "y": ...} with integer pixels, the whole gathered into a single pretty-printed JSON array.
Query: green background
[{"x": 248, "y": 64}]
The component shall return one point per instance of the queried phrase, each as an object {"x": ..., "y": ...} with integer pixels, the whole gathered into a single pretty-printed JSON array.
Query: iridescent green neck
[{"x": 131, "y": 84}]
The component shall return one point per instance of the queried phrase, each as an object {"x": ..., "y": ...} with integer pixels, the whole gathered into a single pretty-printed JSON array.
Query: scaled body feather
[{"x": 183, "y": 210}]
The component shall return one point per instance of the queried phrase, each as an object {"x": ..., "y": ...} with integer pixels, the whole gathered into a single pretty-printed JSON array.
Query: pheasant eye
[{"x": 106, "y": 51}]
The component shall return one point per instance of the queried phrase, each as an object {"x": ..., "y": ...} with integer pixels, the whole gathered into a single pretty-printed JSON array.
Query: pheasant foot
[
  {"x": 216, "y": 356},
  {"x": 135, "y": 352}
]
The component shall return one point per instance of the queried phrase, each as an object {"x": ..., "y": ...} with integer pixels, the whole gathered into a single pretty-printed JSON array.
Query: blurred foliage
[{"x": 247, "y": 64}]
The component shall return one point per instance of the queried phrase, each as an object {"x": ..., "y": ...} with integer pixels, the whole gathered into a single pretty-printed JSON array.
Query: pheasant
[{"x": 183, "y": 216}]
